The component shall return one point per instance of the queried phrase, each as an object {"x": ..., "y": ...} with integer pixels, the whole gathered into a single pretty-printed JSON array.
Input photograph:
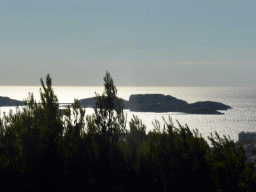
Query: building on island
[{"x": 247, "y": 137}]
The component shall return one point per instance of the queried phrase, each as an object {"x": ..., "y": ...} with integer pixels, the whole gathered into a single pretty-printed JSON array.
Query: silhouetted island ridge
[
  {"x": 149, "y": 103},
  {"x": 164, "y": 103},
  {"x": 7, "y": 102}
]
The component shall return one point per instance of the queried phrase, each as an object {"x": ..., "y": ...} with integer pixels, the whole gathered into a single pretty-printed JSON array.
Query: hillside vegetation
[{"x": 41, "y": 149}]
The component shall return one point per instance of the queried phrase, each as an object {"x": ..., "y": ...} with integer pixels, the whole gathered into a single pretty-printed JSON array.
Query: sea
[{"x": 242, "y": 116}]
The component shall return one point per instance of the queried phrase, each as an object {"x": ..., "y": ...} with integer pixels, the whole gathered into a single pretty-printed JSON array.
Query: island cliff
[
  {"x": 90, "y": 102},
  {"x": 6, "y": 101},
  {"x": 164, "y": 103}
]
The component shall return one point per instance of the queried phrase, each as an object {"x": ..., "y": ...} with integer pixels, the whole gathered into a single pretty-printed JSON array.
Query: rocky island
[
  {"x": 164, "y": 103},
  {"x": 148, "y": 103},
  {"x": 6, "y": 101}
]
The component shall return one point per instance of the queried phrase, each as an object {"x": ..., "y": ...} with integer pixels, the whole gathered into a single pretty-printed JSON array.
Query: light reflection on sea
[{"x": 242, "y": 116}]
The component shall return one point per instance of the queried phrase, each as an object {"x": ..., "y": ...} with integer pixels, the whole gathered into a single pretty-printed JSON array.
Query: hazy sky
[{"x": 140, "y": 42}]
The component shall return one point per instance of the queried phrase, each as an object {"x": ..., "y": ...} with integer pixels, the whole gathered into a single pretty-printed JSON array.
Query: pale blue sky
[{"x": 140, "y": 42}]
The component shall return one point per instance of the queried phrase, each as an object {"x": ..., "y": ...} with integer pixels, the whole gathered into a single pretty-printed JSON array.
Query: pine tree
[{"x": 109, "y": 115}]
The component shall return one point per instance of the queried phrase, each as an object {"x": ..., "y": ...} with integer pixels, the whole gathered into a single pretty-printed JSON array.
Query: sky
[{"x": 140, "y": 42}]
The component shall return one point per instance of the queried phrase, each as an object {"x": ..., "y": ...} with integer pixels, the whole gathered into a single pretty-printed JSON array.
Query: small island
[
  {"x": 7, "y": 102},
  {"x": 158, "y": 103},
  {"x": 164, "y": 103}
]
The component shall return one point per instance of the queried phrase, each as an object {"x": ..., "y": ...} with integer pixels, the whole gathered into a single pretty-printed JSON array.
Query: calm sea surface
[{"x": 242, "y": 116}]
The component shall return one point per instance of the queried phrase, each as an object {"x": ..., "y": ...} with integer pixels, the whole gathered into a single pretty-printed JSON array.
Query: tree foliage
[
  {"x": 42, "y": 148},
  {"x": 109, "y": 115}
]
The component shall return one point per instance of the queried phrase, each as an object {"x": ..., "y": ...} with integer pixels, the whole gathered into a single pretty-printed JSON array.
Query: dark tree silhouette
[
  {"x": 109, "y": 115},
  {"x": 42, "y": 149}
]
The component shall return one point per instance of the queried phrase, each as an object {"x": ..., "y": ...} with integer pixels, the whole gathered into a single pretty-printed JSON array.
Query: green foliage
[
  {"x": 137, "y": 129},
  {"x": 169, "y": 158},
  {"x": 32, "y": 142},
  {"x": 40, "y": 148},
  {"x": 248, "y": 178},
  {"x": 109, "y": 116},
  {"x": 134, "y": 138},
  {"x": 227, "y": 163}
]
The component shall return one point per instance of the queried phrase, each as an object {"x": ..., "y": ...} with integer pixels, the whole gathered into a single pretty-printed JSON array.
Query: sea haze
[{"x": 242, "y": 116}]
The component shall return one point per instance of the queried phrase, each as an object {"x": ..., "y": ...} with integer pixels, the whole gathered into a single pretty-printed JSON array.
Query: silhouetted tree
[
  {"x": 247, "y": 180},
  {"x": 227, "y": 163},
  {"x": 42, "y": 149},
  {"x": 109, "y": 116}
]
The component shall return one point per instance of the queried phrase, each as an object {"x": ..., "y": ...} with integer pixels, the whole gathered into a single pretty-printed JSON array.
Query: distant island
[
  {"x": 148, "y": 103},
  {"x": 7, "y": 102},
  {"x": 164, "y": 103}
]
